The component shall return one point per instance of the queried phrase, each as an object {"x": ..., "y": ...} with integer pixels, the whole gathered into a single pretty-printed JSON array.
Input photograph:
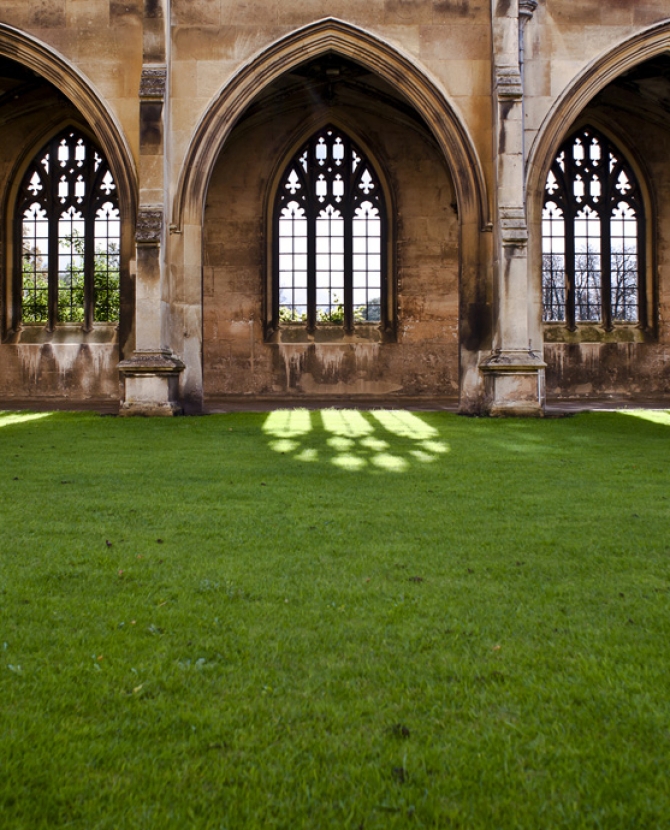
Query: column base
[
  {"x": 514, "y": 383},
  {"x": 151, "y": 383}
]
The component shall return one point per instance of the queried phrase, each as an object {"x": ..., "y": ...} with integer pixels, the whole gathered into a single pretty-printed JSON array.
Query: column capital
[
  {"x": 508, "y": 83},
  {"x": 513, "y": 227},
  {"x": 153, "y": 82}
]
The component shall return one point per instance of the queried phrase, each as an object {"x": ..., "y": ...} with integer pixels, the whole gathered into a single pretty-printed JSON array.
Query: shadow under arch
[
  {"x": 53, "y": 67},
  {"x": 595, "y": 76},
  {"x": 307, "y": 43}
]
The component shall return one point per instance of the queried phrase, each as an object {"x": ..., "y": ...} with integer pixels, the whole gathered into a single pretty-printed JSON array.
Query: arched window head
[
  {"x": 68, "y": 235},
  {"x": 592, "y": 236},
  {"x": 329, "y": 237}
]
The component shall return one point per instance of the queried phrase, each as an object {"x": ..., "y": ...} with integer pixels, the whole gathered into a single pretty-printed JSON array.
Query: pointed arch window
[
  {"x": 592, "y": 236},
  {"x": 68, "y": 236},
  {"x": 329, "y": 232}
]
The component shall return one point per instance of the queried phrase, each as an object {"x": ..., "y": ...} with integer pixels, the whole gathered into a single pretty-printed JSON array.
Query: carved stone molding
[
  {"x": 526, "y": 9},
  {"x": 149, "y": 227},
  {"x": 153, "y": 83},
  {"x": 508, "y": 83},
  {"x": 513, "y": 226}
]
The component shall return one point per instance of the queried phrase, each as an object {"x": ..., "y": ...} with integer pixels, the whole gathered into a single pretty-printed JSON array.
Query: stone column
[
  {"x": 151, "y": 375},
  {"x": 514, "y": 372}
]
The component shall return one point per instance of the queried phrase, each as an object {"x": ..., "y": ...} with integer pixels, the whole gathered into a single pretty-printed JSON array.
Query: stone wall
[{"x": 464, "y": 126}]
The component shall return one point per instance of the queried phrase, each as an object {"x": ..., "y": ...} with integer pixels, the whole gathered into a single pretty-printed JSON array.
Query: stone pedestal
[
  {"x": 151, "y": 380},
  {"x": 514, "y": 382}
]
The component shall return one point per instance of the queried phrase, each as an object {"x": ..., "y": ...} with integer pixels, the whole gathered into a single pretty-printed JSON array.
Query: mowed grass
[{"x": 334, "y": 619}]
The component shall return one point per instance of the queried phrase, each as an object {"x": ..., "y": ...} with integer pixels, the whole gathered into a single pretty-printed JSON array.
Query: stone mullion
[
  {"x": 53, "y": 214},
  {"x": 348, "y": 207}
]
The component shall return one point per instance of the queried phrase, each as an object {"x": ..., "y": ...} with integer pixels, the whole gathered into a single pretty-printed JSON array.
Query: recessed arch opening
[
  {"x": 623, "y": 97},
  {"x": 43, "y": 96},
  {"x": 401, "y": 340},
  {"x": 243, "y": 103}
]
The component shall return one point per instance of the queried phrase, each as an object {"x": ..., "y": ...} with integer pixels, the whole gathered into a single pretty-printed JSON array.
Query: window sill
[
  {"x": 101, "y": 333},
  {"x": 595, "y": 333},
  {"x": 329, "y": 333}
]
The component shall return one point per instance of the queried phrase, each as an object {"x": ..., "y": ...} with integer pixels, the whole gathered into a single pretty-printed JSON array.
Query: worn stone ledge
[
  {"x": 517, "y": 361},
  {"x": 159, "y": 362},
  {"x": 150, "y": 410}
]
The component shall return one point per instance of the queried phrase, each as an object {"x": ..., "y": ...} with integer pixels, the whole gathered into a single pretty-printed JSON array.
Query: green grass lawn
[{"x": 334, "y": 619}]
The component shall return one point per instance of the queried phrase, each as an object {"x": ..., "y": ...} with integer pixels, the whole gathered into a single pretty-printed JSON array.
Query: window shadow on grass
[
  {"x": 396, "y": 441},
  {"x": 379, "y": 440}
]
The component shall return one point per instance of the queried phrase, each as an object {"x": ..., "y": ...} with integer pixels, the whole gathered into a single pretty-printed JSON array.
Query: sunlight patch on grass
[
  {"x": 284, "y": 445},
  {"x": 11, "y": 418},
  {"x": 657, "y": 416},
  {"x": 386, "y": 461},
  {"x": 346, "y": 422},
  {"x": 288, "y": 423},
  {"x": 425, "y": 457},
  {"x": 375, "y": 444},
  {"x": 352, "y": 440},
  {"x": 404, "y": 424},
  {"x": 308, "y": 454},
  {"x": 349, "y": 462},
  {"x": 435, "y": 446},
  {"x": 338, "y": 442}
]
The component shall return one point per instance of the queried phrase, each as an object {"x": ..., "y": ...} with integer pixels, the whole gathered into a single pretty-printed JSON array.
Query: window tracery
[
  {"x": 592, "y": 236},
  {"x": 68, "y": 236},
  {"x": 329, "y": 237}
]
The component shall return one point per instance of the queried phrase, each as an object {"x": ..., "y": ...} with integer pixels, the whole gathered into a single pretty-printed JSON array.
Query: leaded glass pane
[
  {"x": 624, "y": 264},
  {"x": 591, "y": 268},
  {"x": 329, "y": 228},
  {"x": 69, "y": 209},
  {"x": 588, "y": 274},
  {"x": 35, "y": 265},
  {"x": 293, "y": 263}
]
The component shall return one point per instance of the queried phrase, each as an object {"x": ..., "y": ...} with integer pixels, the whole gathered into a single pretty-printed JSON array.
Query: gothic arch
[
  {"x": 332, "y": 35},
  {"x": 53, "y": 67},
  {"x": 642, "y": 46},
  {"x": 565, "y": 115}
]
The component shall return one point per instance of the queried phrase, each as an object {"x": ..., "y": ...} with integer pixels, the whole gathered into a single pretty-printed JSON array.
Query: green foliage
[
  {"x": 334, "y": 620},
  {"x": 71, "y": 305},
  {"x": 35, "y": 287},
  {"x": 107, "y": 284},
  {"x": 290, "y": 315},
  {"x": 335, "y": 315}
]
